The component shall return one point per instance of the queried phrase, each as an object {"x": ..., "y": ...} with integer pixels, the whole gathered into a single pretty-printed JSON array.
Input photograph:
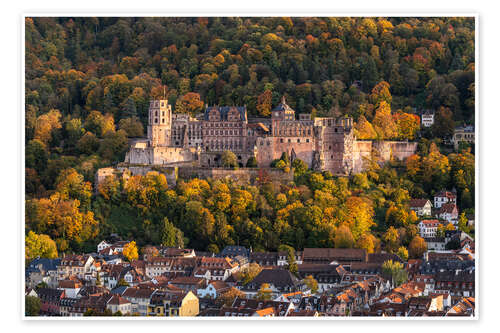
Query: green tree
[
  {"x": 170, "y": 235},
  {"x": 252, "y": 162},
  {"x": 290, "y": 251},
  {"x": 229, "y": 159},
  {"x": 31, "y": 306},
  {"x": 395, "y": 271},
  {"x": 130, "y": 109}
]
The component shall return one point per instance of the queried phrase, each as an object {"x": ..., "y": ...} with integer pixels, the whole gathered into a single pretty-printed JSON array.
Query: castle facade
[{"x": 322, "y": 143}]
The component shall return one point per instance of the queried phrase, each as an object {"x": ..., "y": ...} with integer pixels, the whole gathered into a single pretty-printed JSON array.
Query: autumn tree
[
  {"x": 391, "y": 239},
  {"x": 395, "y": 271},
  {"x": 247, "y": 274},
  {"x": 264, "y": 293},
  {"x": 402, "y": 253},
  {"x": 290, "y": 257},
  {"x": 407, "y": 125},
  {"x": 46, "y": 124},
  {"x": 227, "y": 298},
  {"x": 264, "y": 103},
  {"x": 417, "y": 247},
  {"x": 383, "y": 123},
  {"x": 130, "y": 251},
  {"x": 311, "y": 283},
  {"x": 363, "y": 129},
  {"x": 367, "y": 242},
  {"x": 381, "y": 93},
  {"x": 59, "y": 217},
  {"x": 343, "y": 237},
  {"x": 189, "y": 103},
  {"x": 39, "y": 246},
  {"x": 444, "y": 125},
  {"x": 463, "y": 223}
]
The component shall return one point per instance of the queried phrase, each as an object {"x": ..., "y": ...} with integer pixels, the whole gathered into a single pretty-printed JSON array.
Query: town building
[
  {"x": 427, "y": 118},
  {"x": 421, "y": 207},
  {"x": 443, "y": 197},
  {"x": 463, "y": 134},
  {"x": 428, "y": 228}
]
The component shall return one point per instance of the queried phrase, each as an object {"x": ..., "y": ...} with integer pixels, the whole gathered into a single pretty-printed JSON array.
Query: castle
[{"x": 322, "y": 143}]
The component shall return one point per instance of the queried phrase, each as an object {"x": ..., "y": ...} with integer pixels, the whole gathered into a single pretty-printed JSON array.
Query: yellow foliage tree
[
  {"x": 383, "y": 122},
  {"x": 39, "y": 246},
  {"x": 45, "y": 124},
  {"x": 130, "y": 251},
  {"x": 363, "y": 129}
]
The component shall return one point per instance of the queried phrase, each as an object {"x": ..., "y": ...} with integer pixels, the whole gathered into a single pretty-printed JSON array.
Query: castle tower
[{"x": 160, "y": 123}]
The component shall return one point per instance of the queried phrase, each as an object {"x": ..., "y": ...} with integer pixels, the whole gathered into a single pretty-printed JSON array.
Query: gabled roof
[
  {"x": 430, "y": 223},
  {"x": 446, "y": 194},
  {"x": 117, "y": 300},
  {"x": 418, "y": 203},
  {"x": 224, "y": 110},
  {"x": 138, "y": 292},
  {"x": 449, "y": 208}
]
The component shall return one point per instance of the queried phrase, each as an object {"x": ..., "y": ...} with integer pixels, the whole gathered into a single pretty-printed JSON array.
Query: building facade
[{"x": 322, "y": 143}]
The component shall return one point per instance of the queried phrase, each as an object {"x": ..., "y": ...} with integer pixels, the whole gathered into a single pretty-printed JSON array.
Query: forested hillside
[{"x": 88, "y": 85}]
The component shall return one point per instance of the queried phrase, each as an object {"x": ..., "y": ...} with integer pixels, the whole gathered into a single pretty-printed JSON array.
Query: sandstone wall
[
  {"x": 361, "y": 150},
  {"x": 271, "y": 148},
  {"x": 399, "y": 149},
  {"x": 159, "y": 155},
  {"x": 240, "y": 176},
  {"x": 169, "y": 172}
]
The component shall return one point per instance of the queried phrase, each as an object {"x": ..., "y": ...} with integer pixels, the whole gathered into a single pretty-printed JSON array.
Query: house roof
[
  {"x": 449, "y": 208},
  {"x": 224, "y": 110},
  {"x": 278, "y": 277},
  {"x": 430, "y": 223},
  {"x": 69, "y": 284},
  {"x": 265, "y": 312},
  {"x": 446, "y": 194},
  {"x": 187, "y": 280},
  {"x": 334, "y": 254},
  {"x": 382, "y": 257},
  {"x": 418, "y": 203},
  {"x": 138, "y": 292},
  {"x": 117, "y": 300},
  {"x": 303, "y": 313}
]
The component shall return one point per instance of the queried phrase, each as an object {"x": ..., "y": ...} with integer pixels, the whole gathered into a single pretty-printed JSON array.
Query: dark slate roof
[
  {"x": 47, "y": 264},
  {"x": 233, "y": 251},
  {"x": 278, "y": 277},
  {"x": 381, "y": 257},
  {"x": 119, "y": 290},
  {"x": 282, "y": 106},
  {"x": 49, "y": 294},
  {"x": 223, "y": 110}
]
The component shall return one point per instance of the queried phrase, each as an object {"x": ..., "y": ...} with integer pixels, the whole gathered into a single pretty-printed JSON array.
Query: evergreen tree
[{"x": 130, "y": 110}]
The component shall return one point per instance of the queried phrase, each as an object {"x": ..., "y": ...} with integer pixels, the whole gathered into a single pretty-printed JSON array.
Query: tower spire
[
  {"x": 283, "y": 99},
  {"x": 164, "y": 92}
]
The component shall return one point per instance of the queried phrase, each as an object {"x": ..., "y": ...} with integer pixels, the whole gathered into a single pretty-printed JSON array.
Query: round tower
[{"x": 160, "y": 123}]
